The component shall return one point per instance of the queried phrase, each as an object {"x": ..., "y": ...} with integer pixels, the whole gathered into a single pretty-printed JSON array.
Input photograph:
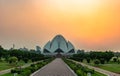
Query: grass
[
  {"x": 5, "y": 65},
  {"x": 9, "y": 74},
  {"x": 98, "y": 74},
  {"x": 111, "y": 66},
  {"x": 30, "y": 69}
]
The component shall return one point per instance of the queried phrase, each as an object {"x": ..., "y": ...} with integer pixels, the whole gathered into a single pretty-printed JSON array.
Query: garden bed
[
  {"x": 28, "y": 70},
  {"x": 81, "y": 70}
]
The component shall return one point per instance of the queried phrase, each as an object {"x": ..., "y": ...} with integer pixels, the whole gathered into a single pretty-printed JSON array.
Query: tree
[
  {"x": 1, "y": 51},
  {"x": 108, "y": 55},
  {"x": 102, "y": 61},
  {"x": 13, "y": 59},
  {"x": 97, "y": 62},
  {"x": 102, "y": 55},
  {"x": 26, "y": 60},
  {"x": 17, "y": 53},
  {"x": 115, "y": 59},
  {"x": 79, "y": 57},
  {"x": 118, "y": 61},
  {"x": 88, "y": 60}
]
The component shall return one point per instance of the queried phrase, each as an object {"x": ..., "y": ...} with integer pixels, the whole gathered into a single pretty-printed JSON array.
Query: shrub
[
  {"x": 13, "y": 59},
  {"x": 33, "y": 69},
  {"x": 28, "y": 70},
  {"x": 79, "y": 72},
  {"x": 26, "y": 73},
  {"x": 118, "y": 61},
  {"x": 13, "y": 71},
  {"x": 88, "y": 60},
  {"x": 33, "y": 60},
  {"x": 75, "y": 68},
  {"x": 78, "y": 68},
  {"x": 19, "y": 71},
  {"x": 16, "y": 70},
  {"x": 102, "y": 61},
  {"x": 87, "y": 70},
  {"x": 32, "y": 65},
  {"x": 26, "y": 60},
  {"x": 96, "y": 62},
  {"x": 115, "y": 59},
  {"x": 81, "y": 59},
  {"x": 39, "y": 65}
]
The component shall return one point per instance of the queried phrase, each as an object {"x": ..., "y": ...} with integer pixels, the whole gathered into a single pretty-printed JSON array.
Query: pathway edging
[
  {"x": 55, "y": 68},
  {"x": 71, "y": 70},
  {"x": 39, "y": 70}
]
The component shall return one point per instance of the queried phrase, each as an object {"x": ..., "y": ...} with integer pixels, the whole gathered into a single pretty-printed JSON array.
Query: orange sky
[{"x": 88, "y": 24}]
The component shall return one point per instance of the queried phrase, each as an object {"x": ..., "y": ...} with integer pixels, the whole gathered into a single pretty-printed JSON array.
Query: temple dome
[{"x": 59, "y": 44}]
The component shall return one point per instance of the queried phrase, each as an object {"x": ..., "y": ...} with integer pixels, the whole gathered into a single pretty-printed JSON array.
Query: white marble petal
[{"x": 59, "y": 42}]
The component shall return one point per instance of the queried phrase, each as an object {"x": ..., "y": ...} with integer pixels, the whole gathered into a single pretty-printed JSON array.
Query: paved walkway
[
  {"x": 56, "y": 68},
  {"x": 108, "y": 73}
]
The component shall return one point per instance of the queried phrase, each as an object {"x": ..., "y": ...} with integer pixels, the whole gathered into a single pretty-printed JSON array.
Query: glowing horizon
[{"x": 88, "y": 24}]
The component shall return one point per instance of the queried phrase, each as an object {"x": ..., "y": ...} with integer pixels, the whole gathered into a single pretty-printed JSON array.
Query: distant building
[
  {"x": 32, "y": 50},
  {"x": 38, "y": 49},
  {"x": 59, "y": 46},
  {"x": 24, "y": 49},
  {"x": 13, "y": 47},
  {"x": 80, "y": 51}
]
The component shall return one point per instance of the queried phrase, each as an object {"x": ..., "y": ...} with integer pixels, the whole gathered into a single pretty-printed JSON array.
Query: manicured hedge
[{"x": 79, "y": 69}]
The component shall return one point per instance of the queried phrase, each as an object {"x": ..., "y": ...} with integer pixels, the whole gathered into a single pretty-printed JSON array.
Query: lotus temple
[{"x": 58, "y": 46}]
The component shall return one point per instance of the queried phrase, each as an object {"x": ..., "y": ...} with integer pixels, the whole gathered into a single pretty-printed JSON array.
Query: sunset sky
[{"x": 88, "y": 24}]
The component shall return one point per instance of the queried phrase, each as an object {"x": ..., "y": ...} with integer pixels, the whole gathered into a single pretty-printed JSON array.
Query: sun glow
[
  {"x": 83, "y": 6},
  {"x": 86, "y": 22}
]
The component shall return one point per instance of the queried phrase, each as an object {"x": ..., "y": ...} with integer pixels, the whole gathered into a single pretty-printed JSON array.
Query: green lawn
[
  {"x": 30, "y": 69},
  {"x": 111, "y": 66},
  {"x": 114, "y": 67},
  {"x": 98, "y": 74},
  {"x": 9, "y": 74},
  {"x": 4, "y": 65}
]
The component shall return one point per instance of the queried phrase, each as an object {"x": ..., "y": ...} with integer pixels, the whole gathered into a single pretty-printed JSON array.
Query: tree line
[
  {"x": 17, "y": 55},
  {"x": 98, "y": 57}
]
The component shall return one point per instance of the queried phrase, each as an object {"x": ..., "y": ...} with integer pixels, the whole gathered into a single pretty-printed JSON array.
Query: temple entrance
[
  {"x": 59, "y": 51},
  {"x": 58, "y": 55}
]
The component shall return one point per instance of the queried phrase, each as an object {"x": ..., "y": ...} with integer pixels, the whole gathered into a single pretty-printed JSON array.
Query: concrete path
[
  {"x": 108, "y": 73},
  {"x": 56, "y": 68}
]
